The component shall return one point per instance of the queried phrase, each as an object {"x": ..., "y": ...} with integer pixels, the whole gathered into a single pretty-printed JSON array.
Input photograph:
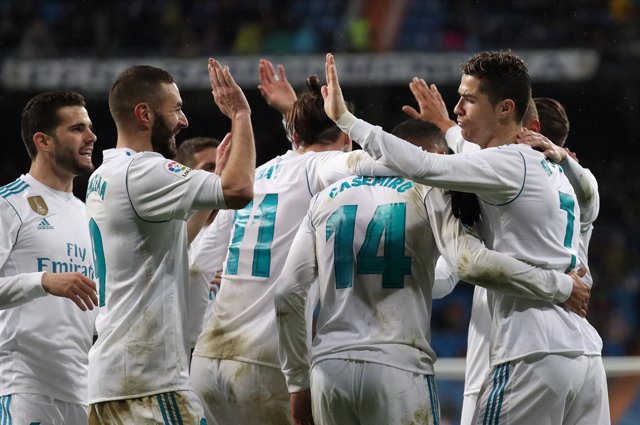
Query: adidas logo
[{"x": 44, "y": 225}]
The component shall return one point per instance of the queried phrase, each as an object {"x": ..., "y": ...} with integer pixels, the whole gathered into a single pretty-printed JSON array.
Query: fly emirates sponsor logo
[{"x": 77, "y": 259}]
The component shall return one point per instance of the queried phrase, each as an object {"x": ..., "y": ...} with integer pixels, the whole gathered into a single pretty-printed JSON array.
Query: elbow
[{"x": 238, "y": 197}]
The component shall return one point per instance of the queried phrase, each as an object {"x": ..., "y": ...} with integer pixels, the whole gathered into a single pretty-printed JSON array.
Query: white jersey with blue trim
[
  {"x": 44, "y": 340},
  {"x": 137, "y": 205},
  {"x": 529, "y": 212},
  {"x": 258, "y": 238},
  {"x": 256, "y": 242}
]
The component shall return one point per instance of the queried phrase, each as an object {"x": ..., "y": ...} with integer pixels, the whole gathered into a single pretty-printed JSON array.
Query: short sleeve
[{"x": 161, "y": 189}]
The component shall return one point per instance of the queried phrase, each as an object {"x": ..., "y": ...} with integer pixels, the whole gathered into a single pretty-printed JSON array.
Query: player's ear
[
  {"x": 534, "y": 125},
  {"x": 42, "y": 141},
  {"x": 507, "y": 108},
  {"x": 144, "y": 114}
]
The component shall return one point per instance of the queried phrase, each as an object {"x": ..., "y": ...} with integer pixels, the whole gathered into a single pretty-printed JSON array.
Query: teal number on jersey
[
  {"x": 388, "y": 220},
  {"x": 394, "y": 265},
  {"x": 98, "y": 259},
  {"x": 342, "y": 222},
  {"x": 567, "y": 203},
  {"x": 266, "y": 215}
]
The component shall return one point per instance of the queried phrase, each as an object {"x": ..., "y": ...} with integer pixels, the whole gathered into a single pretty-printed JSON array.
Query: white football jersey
[
  {"x": 44, "y": 340},
  {"x": 137, "y": 205},
  {"x": 478, "y": 350},
  {"x": 374, "y": 244},
  {"x": 529, "y": 212},
  {"x": 256, "y": 241}
]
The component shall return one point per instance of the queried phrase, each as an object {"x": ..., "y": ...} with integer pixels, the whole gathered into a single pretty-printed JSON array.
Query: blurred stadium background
[{"x": 585, "y": 53}]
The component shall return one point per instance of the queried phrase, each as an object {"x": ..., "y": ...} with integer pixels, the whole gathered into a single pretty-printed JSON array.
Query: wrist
[
  {"x": 242, "y": 113},
  {"x": 346, "y": 121}
]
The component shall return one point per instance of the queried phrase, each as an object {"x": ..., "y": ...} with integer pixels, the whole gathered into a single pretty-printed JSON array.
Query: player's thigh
[
  {"x": 172, "y": 408},
  {"x": 468, "y": 407},
  {"x": 333, "y": 394},
  {"x": 591, "y": 403},
  {"x": 538, "y": 389},
  {"x": 31, "y": 408},
  {"x": 350, "y": 392},
  {"x": 235, "y": 392},
  {"x": 394, "y": 396}
]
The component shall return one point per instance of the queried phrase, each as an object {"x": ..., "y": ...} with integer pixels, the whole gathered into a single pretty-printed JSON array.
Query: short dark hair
[
  {"x": 308, "y": 120},
  {"x": 40, "y": 114},
  {"x": 421, "y": 133},
  {"x": 136, "y": 84},
  {"x": 554, "y": 123},
  {"x": 502, "y": 75},
  {"x": 531, "y": 113},
  {"x": 191, "y": 146}
]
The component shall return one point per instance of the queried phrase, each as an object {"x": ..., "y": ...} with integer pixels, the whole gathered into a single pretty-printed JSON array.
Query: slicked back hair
[
  {"x": 40, "y": 114},
  {"x": 554, "y": 123},
  {"x": 424, "y": 134},
  {"x": 190, "y": 147},
  {"x": 136, "y": 84},
  {"x": 308, "y": 120},
  {"x": 502, "y": 75}
]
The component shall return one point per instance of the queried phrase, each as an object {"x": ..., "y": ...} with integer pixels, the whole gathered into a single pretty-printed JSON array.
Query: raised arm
[{"x": 237, "y": 177}]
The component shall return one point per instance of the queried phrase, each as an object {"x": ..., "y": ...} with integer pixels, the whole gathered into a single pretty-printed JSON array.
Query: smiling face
[
  {"x": 73, "y": 141},
  {"x": 477, "y": 117},
  {"x": 169, "y": 120}
]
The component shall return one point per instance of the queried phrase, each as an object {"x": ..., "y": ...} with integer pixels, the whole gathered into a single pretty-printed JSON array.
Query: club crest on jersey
[
  {"x": 177, "y": 169},
  {"x": 38, "y": 205}
]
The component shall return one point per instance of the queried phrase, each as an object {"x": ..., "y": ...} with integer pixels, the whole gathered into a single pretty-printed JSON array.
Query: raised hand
[
  {"x": 227, "y": 94},
  {"x": 334, "y": 104},
  {"x": 75, "y": 286},
  {"x": 275, "y": 88},
  {"x": 431, "y": 104}
]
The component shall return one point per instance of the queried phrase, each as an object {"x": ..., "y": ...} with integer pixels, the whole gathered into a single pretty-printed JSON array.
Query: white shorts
[
  {"x": 40, "y": 409},
  {"x": 235, "y": 392},
  {"x": 545, "y": 389},
  {"x": 355, "y": 392},
  {"x": 172, "y": 408}
]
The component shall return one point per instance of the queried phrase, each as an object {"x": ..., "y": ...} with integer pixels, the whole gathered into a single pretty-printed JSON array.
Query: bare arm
[
  {"x": 199, "y": 218},
  {"x": 237, "y": 177}
]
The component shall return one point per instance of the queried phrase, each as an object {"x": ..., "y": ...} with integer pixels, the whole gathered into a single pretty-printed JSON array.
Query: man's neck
[
  {"x": 51, "y": 176},
  {"x": 505, "y": 135}
]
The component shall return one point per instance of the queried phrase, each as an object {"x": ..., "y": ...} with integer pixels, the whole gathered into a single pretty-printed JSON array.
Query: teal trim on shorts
[
  {"x": 169, "y": 408},
  {"x": 164, "y": 414},
  {"x": 433, "y": 398},
  {"x": 5, "y": 414},
  {"x": 496, "y": 397},
  {"x": 176, "y": 408}
]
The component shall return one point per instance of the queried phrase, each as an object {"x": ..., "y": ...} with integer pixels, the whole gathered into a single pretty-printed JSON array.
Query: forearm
[
  {"x": 586, "y": 187},
  {"x": 238, "y": 174},
  {"x": 293, "y": 353},
  {"x": 499, "y": 272},
  {"x": 20, "y": 289},
  {"x": 445, "y": 279}
]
